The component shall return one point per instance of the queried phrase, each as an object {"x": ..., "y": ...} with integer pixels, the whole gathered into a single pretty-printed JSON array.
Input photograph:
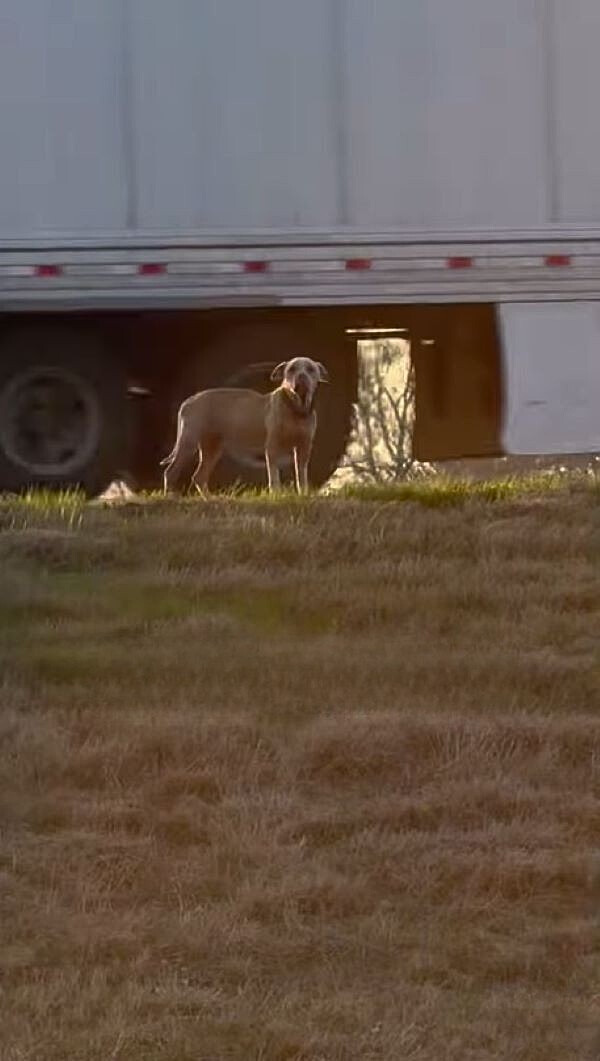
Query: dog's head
[{"x": 301, "y": 375}]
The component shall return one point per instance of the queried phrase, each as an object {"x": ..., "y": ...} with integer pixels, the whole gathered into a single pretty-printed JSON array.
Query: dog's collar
[{"x": 298, "y": 410}]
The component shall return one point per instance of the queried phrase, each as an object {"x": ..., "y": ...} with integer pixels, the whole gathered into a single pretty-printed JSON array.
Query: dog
[{"x": 237, "y": 419}]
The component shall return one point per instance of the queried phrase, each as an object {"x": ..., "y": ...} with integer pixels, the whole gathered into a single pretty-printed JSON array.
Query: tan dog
[{"x": 243, "y": 421}]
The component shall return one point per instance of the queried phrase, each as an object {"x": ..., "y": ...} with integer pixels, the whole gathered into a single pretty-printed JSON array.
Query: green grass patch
[
  {"x": 437, "y": 491},
  {"x": 441, "y": 492},
  {"x": 66, "y": 506}
]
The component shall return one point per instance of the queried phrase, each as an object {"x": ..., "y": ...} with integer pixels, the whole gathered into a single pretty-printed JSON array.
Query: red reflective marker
[
  {"x": 558, "y": 260},
  {"x": 356, "y": 264},
  {"x": 256, "y": 267},
  {"x": 46, "y": 271},
  {"x": 152, "y": 268}
]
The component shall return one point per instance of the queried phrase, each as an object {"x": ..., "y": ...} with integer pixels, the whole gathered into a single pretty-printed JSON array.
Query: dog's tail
[{"x": 173, "y": 453}]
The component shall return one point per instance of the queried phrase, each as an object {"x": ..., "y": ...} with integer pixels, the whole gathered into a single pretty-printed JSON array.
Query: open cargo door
[
  {"x": 457, "y": 363},
  {"x": 519, "y": 379}
]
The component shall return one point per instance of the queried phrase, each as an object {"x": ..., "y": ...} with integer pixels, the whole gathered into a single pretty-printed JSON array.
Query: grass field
[{"x": 297, "y": 780}]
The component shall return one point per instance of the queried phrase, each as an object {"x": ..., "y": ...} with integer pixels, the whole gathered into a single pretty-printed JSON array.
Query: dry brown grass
[{"x": 288, "y": 782}]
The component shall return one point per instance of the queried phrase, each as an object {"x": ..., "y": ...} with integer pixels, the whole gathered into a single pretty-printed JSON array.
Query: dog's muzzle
[{"x": 303, "y": 390}]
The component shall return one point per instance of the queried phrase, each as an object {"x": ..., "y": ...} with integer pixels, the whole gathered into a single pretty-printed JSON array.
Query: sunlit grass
[
  {"x": 67, "y": 506},
  {"x": 431, "y": 491},
  {"x": 63, "y": 506},
  {"x": 438, "y": 491}
]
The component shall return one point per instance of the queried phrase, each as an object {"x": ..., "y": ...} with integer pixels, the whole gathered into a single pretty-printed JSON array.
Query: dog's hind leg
[
  {"x": 179, "y": 460},
  {"x": 173, "y": 462},
  {"x": 211, "y": 448},
  {"x": 177, "y": 466}
]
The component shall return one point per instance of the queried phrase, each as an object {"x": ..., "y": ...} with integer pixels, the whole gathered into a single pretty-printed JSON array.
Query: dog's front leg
[
  {"x": 301, "y": 456},
  {"x": 272, "y": 470}
]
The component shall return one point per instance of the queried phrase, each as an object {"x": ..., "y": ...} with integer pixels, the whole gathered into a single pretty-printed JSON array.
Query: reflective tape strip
[
  {"x": 317, "y": 265},
  {"x": 87, "y": 269},
  {"x": 407, "y": 264},
  {"x": 17, "y": 270},
  {"x": 201, "y": 267},
  {"x": 391, "y": 261},
  {"x": 509, "y": 262}
]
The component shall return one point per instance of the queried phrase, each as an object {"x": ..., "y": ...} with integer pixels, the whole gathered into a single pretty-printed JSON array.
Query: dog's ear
[
  {"x": 278, "y": 371},
  {"x": 323, "y": 373}
]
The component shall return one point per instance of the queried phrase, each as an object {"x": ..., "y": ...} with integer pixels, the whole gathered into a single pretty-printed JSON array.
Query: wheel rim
[{"x": 49, "y": 421}]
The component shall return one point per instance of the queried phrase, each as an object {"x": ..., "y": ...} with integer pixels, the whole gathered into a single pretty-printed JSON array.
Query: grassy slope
[{"x": 300, "y": 780}]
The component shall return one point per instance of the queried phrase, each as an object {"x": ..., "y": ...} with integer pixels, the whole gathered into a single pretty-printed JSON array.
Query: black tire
[
  {"x": 245, "y": 357},
  {"x": 63, "y": 411}
]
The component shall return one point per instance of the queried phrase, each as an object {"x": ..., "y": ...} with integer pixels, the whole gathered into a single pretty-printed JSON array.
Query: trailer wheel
[
  {"x": 63, "y": 412},
  {"x": 245, "y": 357}
]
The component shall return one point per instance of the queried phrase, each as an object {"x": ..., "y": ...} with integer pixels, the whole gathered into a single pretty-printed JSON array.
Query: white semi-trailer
[{"x": 191, "y": 190}]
